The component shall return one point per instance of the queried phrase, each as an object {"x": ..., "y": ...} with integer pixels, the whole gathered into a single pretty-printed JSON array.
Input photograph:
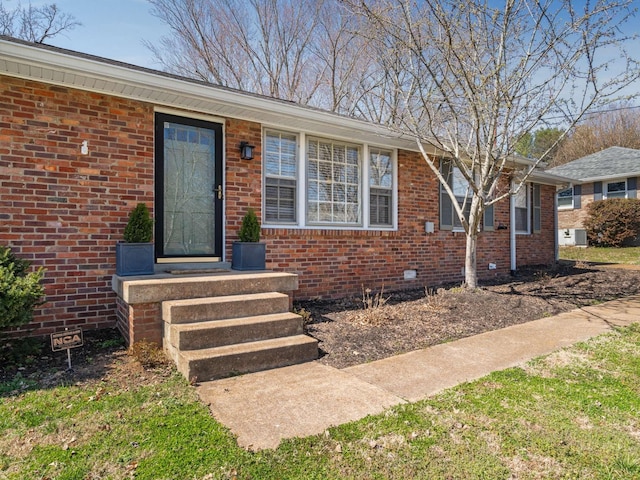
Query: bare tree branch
[
  {"x": 35, "y": 24},
  {"x": 478, "y": 75}
]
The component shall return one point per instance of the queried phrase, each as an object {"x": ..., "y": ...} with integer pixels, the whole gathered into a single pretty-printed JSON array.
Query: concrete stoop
[{"x": 221, "y": 336}]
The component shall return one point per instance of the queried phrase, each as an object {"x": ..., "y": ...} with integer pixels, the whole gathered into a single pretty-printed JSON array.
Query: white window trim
[
  {"x": 361, "y": 196},
  {"x": 566, "y": 207},
  {"x": 456, "y": 228},
  {"x": 264, "y": 174},
  {"x": 605, "y": 188},
  {"x": 527, "y": 188},
  {"x": 394, "y": 190},
  {"x": 301, "y": 180}
]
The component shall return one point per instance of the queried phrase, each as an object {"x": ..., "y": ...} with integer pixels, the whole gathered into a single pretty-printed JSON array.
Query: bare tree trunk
[
  {"x": 475, "y": 77},
  {"x": 470, "y": 262}
]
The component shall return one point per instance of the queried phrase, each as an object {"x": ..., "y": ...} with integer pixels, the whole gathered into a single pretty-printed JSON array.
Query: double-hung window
[
  {"x": 528, "y": 211},
  {"x": 565, "y": 199},
  {"x": 380, "y": 187},
  {"x": 449, "y": 219},
  {"x": 463, "y": 193},
  {"x": 280, "y": 170},
  {"x": 333, "y": 183},
  {"x": 522, "y": 201},
  {"x": 616, "y": 189}
]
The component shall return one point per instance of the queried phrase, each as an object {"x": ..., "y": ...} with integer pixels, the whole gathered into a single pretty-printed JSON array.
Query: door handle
[{"x": 218, "y": 190}]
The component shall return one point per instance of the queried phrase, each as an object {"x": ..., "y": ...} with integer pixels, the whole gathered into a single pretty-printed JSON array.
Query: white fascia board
[
  {"x": 551, "y": 179},
  {"x": 539, "y": 176},
  {"x": 617, "y": 176},
  {"x": 136, "y": 83}
]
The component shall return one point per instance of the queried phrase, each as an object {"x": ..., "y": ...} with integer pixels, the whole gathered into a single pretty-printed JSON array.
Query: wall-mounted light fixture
[
  {"x": 84, "y": 147},
  {"x": 246, "y": 151}
]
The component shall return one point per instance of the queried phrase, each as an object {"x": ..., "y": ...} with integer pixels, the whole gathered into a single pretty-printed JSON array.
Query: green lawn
[
  {"x": 572, "y": 414},
  {"x": 626, "y": 255}
]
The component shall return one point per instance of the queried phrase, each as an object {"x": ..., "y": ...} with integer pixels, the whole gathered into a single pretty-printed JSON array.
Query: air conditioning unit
[{"x": 572, "y": 237}]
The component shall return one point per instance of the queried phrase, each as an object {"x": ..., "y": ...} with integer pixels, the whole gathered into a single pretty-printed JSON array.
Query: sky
[
  {"x": 115, "y": 29},
  {"x": 112, "y": 29}
]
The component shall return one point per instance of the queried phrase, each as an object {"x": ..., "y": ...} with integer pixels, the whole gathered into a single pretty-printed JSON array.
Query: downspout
[
  {"x": 555, "y": 227},
  {"x": 512, "y": 233}
]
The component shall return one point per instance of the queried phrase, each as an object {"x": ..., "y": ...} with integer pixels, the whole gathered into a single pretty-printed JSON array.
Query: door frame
[{"x": 217, "y": 125}]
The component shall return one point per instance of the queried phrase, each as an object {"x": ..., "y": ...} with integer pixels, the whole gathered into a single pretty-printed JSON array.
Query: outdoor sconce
[{"x": 246, "y": 151}]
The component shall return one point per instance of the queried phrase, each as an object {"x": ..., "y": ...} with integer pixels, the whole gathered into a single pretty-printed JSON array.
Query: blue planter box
[
  {"x": 248, "y": 256},
  {"x": 134, "y": 259}
]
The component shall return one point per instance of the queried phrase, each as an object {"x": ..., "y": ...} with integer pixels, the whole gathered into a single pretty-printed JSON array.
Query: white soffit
[{"x": 74, "y": 70}]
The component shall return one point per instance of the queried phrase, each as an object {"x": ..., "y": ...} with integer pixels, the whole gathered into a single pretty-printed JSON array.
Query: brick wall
[
  {"x": 64, "y": 210},
  {"x": 243, "y": 178},
  {"x": 334, "y": 263},
  {"x": 539, "y": 248},
  {"x": 574, "y": 218}
]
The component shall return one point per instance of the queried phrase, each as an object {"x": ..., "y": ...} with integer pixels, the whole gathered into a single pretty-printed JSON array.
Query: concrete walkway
[{"x": 266, "y": 407}]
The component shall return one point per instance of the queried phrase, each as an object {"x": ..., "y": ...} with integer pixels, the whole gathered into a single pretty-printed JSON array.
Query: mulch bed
[{"x": 409, "y": 320}]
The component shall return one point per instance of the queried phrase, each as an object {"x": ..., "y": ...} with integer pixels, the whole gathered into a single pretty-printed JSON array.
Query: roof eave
[
  {"x": 62, "y": 68},
  {"x": 547, "y": 178},
  {"x": 608, "y": 177}
]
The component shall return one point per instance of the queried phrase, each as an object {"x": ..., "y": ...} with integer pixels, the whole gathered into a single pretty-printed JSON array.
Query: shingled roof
[{"x": 613, "y": 162}]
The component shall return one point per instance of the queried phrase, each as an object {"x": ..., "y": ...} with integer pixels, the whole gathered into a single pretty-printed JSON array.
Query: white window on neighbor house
[
  {"x": 615, "y": 189},
  {"x": 280, "y": 177},
  {"x": 565, "y": 199}
]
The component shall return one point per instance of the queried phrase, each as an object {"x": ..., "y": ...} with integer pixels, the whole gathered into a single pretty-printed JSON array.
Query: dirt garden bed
[
  {"x": 348, "y": 335},
  {"x": 411, "y": 320}
]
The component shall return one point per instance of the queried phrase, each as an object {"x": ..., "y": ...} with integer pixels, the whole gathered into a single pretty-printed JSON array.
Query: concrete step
[
  {"x": 212, "y": 363},
  {"x": 163, "y": 287},
  {"x": 223, "y": 308},
  {"x": 217, "y": 333}
]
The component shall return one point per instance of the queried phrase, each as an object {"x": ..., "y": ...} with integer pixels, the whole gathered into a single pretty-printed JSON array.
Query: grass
[
  {"x": 626, "y": 255},
  {"x": 572, "y": 414}
]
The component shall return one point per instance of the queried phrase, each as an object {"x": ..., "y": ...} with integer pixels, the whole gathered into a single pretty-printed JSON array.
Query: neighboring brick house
[
  {"x": 610, "y": 173},
  {"x": 343, "y": 203}
]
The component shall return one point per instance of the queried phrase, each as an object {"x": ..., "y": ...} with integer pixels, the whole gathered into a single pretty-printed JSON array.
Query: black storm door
[{"x": 188, "y": 189}]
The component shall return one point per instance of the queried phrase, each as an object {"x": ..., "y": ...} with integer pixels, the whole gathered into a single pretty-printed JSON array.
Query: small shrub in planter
[
  {"x": 250, "y": 228},
  {"x": 20, "y": 291},
  {"x": 613, "y": 222},
  {"x": 139, "y": 228},
  {"x": 249, "y": 253},
  {"x": 135, "y": 255}
]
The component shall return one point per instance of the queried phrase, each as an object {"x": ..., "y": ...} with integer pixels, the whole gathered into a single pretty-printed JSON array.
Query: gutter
[
  {"x": 608, "y": 177},
  {"x": 512, "y": 233}
]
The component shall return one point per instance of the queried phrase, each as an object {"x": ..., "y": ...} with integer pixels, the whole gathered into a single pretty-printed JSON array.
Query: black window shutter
[
  {"x": 577, "y": 196},
  {"x": 488, "y": 223},
  {"x": 446, "y": 207},
  {"x": 632, "y": 187},
  {"x": 597, "y": 190},
  {"x": 537, "y": 210}
]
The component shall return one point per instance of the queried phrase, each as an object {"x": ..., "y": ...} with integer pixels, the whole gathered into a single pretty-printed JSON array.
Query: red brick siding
[
  {"x": 334, "y": 263},
  {"x": 140, "y": 322},
  {"x": 63, "y": 210},
  {"x": 539, "y": 248},
  {"x": 243, "y": 178}
]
